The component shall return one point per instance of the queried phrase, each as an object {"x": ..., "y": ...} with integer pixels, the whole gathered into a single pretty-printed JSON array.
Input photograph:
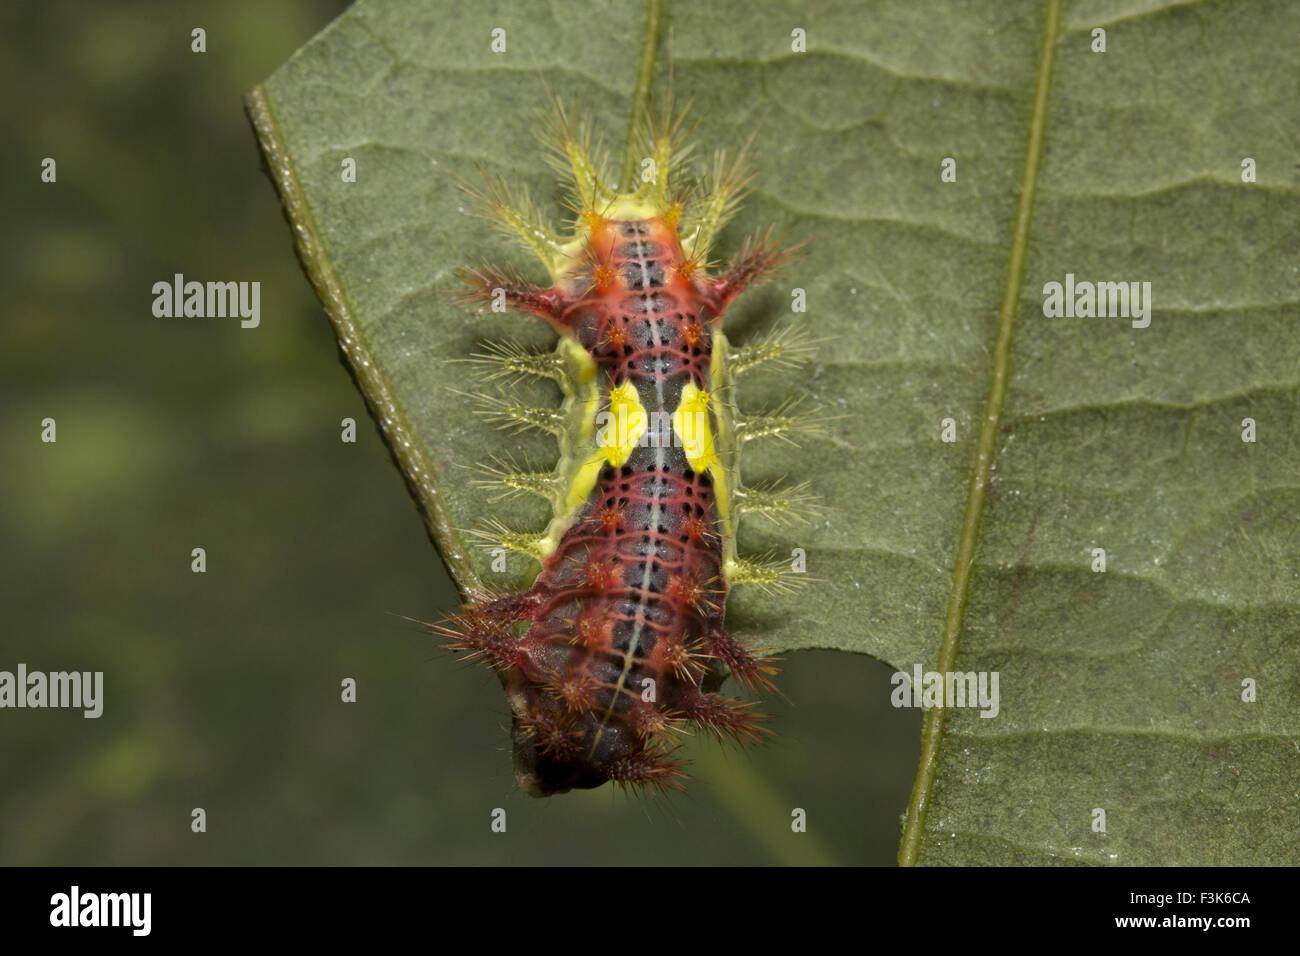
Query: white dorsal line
[{"x": 656, "y": 510}]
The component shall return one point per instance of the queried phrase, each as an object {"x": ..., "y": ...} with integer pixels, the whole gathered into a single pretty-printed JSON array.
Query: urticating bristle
[{"x": 727, "y": 717}]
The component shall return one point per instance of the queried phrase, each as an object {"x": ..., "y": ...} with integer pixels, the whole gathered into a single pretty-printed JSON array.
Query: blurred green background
[{"x": 222, "y": 689}]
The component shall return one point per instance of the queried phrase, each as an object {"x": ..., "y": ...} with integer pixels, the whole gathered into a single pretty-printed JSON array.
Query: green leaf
[{"x": 1120, "y": 690}]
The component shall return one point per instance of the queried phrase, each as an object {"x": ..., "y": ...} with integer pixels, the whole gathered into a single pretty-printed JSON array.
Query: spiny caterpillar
[{"x": 619, "y": 644}]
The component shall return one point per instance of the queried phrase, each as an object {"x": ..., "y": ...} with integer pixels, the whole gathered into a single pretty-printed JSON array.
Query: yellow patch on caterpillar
[
  {"x": 625, "y": 423},
  {"x": 691, "y": 423}
]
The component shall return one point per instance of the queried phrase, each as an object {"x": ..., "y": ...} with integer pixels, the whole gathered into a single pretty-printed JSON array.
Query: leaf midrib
[{"x": 932, "y": 732}]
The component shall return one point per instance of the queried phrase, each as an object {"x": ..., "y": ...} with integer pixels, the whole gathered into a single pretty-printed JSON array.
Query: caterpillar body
[{"x": 619, "y": 644}]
